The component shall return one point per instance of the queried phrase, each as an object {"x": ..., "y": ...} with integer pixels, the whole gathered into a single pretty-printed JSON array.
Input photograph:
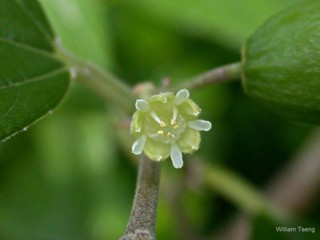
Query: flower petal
[
  {"x": 189, "y": 109},
  {"x": 156, "y": 150},
  {"x": 142, "y": 105},
  {"x": 176, "y": 156},
  {"x": 181, "y": 96},
  {"x": 137, "y": 123},
  {"x": 200, "y": 125},
  {"x": 189, "y": 141},
  {"x": 138, "y": 145}
]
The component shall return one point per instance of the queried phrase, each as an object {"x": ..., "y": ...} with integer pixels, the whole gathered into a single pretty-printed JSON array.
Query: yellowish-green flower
[{"x": 167, "y": 125}]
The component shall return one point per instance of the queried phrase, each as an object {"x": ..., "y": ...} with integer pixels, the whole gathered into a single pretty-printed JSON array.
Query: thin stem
[
  {"x": 143, "y": 216},
  {"x": 99, "y": 80},
  {"x": 300, "y": 175},
  {"x": 221, "y": 74},
  {"x": 237, "y": 190}
]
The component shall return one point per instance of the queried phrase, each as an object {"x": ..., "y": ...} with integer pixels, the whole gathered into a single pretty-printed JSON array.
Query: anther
[
  {"x": 160, "y": 132},
  {"x": 170, "y": 135},
  {"x": 162, "y": 124}
]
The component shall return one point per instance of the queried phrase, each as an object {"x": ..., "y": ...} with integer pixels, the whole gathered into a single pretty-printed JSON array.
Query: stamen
[
  {"x": 160, "y": 132},
  {"x": 200, "y": 125},
  {"x": 142, "y": 105},
  {"x": 176, "y": 156},
  {"x": 175, "y": 114},
  {"x": 162, "y": 124},
  {"x": 181, "y": 96},
  {"x": 170, "y": 135},
  {"x": 138, "y": 145},
  {"x": 156, "y": 118}
]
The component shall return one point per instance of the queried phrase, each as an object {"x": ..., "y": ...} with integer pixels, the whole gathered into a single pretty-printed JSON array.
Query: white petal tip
[
  {"x": 196, "y": 113},
  {"x": 138, "y": 145},
  {"x": 181, "y": 96},
  {"x": 200, "y": 125},
  {"x": 138, "y": 130},
  {"x": 142, "y": 105},
  {"x": 195, "y": 147},
  {"x": 176, "y": 156}
]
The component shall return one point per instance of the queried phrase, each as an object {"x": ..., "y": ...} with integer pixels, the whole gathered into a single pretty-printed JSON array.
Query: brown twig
[
  {"x": 294, "y": 188},
  {"x": 141, "y": 225},
  {"x": 217, "y": 75}
]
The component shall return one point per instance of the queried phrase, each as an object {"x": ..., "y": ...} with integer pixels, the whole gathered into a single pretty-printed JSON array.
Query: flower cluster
[{"x": 166, "y": 125}]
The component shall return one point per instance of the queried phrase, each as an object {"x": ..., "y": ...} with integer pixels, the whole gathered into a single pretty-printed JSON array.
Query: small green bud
[
  {"x": 167, "y": 125},
  {"x": 281, "y": 63}
]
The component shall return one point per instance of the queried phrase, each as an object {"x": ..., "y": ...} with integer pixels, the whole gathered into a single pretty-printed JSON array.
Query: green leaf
[{"x": 32, "y": 80}]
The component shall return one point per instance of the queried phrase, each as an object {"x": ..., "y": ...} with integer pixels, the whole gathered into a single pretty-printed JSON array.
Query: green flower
[{"x": 167, "y": 125}]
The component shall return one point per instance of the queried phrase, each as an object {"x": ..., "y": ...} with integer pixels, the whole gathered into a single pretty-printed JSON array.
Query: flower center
[{"x": 166, "y": 127}]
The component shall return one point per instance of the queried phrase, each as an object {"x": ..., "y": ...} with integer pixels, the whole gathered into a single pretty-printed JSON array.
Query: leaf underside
[{"x": 32, "y": 80}]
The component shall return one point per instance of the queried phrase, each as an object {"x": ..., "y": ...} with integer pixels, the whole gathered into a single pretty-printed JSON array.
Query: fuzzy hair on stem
[{"x": 142, "y": 221}]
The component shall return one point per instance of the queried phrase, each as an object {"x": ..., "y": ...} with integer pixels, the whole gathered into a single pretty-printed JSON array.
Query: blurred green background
[{"x": 68, "y": 177}]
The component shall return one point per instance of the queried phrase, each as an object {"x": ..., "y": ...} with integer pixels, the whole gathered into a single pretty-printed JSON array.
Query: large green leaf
[{"x": 32, "y": 80}]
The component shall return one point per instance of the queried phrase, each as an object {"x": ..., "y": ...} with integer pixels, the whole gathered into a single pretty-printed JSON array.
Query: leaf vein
[
  {"x": 27, "y": 47},
  {"x": 12, "y": 106},
  {"x": 35, "y": 79}
]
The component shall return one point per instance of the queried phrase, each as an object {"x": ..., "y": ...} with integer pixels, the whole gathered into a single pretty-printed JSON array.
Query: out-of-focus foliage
[
  {"x": 227, "y": 22},
  {"x": 81, "y": 26},
  {"x": 67, "y": 178}
]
